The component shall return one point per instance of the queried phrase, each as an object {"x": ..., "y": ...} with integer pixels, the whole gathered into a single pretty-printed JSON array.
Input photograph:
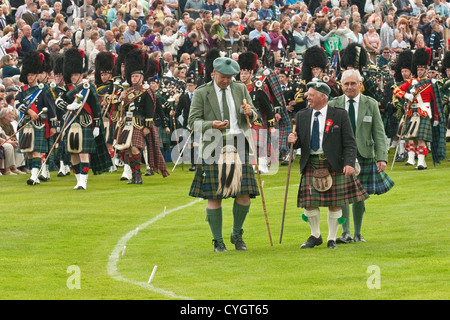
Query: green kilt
[
  {"x": 425, "y": 131},
  {"x": 206, "y": 182},
  {"x": 40, "y": 141},
  {"x": 374, "y": 182},
  {"x": 343, "y": 191}
]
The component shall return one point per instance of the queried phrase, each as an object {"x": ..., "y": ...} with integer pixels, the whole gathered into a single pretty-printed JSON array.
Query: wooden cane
[
  {"x": 44, "y": 110},
  {"x": 291, "y": 153},
  {"x": 258, "y": 174}
]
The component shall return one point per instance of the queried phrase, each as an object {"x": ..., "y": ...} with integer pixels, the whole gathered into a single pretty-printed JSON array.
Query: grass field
[{"x": 63, "y": 244}]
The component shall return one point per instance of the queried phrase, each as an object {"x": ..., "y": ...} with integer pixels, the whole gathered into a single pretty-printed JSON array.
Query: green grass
[{"x": 47, "y": 228}]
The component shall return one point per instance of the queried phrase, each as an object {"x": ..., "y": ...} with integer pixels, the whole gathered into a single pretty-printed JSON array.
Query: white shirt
[
  {"x": 355, "y": 104},
  {"x": 321, "y": 117},
  {"x": 233, "y": 127}
]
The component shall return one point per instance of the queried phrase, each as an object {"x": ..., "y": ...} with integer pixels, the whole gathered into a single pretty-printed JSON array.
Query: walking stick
[
  {"x": 44, "y": 110},
  {"x": 258, "y": 174},
  {"x": 291, "y": 152},
  {"x": 182, "y": 150}
]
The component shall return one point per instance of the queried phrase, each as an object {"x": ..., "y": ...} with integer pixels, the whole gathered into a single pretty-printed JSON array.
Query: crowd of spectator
[{"x": 181, "y": 31}]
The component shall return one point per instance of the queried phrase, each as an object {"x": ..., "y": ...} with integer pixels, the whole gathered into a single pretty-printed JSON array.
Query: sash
[{"x": 29, "y": 103}]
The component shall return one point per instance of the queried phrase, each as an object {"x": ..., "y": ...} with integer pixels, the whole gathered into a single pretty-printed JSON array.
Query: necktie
[
  {"x": 351, "y": 114},
  {"x": 226, "y": 111},
  {"x": 315, "y": 139},
  {"x": 3, "y": 23},
  {"x": 190, "y": 96}
]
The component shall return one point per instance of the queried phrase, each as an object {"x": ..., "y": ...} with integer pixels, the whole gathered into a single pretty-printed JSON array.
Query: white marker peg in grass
[
  {"x": 123, "y": 251},
  {"x": 153, "y": 274}
]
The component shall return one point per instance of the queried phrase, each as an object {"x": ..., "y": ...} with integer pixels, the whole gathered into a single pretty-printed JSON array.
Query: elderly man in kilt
[
  {"x": 368, "y": 128},
  {"x": 32, "y": 98},
  {"x": 219, "y": 115},
  {"x": 425, "y": 120},
  {"x": 328, "y": 149},
  {"x": 83, "y": 128}
]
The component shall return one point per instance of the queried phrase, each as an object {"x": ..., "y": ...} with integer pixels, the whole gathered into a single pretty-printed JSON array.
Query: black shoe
[
  {"x": 192, "y": 168},
  {"x": 60, "y": 174},
  {"x": 219, "y": 246},
  {"x": 345, "y": 238},
  {"x": 421, "y": 167},
  {"x": 149, "y": 172},
  {"x": 238, "y": 241},
  {"x": 359, "y": 238},
  {"x": 312, "y": 242},
  {"x": 331, "y": 244},
  {"x": 136, "y": 179},
  {"x": 401, "y": 157}
]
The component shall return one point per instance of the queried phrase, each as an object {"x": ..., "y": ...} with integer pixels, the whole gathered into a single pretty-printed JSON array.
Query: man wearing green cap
[
  {"x": 328, "y": 149},
  {"x": 218, "y": 116}
]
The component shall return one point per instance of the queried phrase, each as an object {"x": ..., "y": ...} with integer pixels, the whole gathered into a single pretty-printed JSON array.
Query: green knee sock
[
  {"x": 358, "y": 212},
  {"x": 214, "y": 218},
  {"x": 346, "y": 215},
  {"x": 239, "y": 215}
]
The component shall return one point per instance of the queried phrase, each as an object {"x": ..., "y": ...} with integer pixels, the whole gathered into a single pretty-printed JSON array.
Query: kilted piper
[
  {"x": 328, "y": 149},
  {"x": 425, "y": 121},
  {"x": 83, "y": 130},
  {"x": 136, "y": 130},
  {"x": 31, "y": 100},
  {"x": 372, "y": 157},
  {"x": 218, "y": 115}
]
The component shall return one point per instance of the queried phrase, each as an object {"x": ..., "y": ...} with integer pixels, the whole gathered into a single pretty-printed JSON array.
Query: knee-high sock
[
  {"x": 76, "y": 168},
  {"x": 314, "y": 221},
  {"x": 358, "y": 212},
  {"x": 346, "y": 215},
  {"x": 239, "y": 215},
  {"x": 214, "y": 218},
  {"x": 333, "y": 224},
  {"x": 84, "y": 167},
  {"x": 135, "y": 163},
  {"x": 36, "y": 163}
]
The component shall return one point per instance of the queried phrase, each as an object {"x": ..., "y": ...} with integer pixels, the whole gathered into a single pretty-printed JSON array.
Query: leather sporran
[
  {"x": 27, "y": 139},
  {"x": 322, "y": 180},
  {"x": 75, "y": 138},
  {"x": 413, "y": 127},
  {"x": 123, "y": 142}
]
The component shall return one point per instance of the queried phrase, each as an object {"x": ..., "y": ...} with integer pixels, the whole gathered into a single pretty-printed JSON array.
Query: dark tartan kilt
[
  {"x": 40, "y": 141},
  {"x": 206, "y": 182},
  {"x": 425, "y": 128},
  {"x": 138, "y": 139},
  {"x": 343, "y": 191},
  {"x": 164, "y": 138},
  {"x": 88, "y": 144},
  {"x": 374, "y": 182}
]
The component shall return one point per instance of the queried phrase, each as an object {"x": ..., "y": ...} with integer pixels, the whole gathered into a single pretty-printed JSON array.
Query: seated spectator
[
  {"x": 12, "y": 45},
  {"x": 13, "y": 158},
  {"x": 8, "y": 64},
  {"x": 398, "y": 45}
]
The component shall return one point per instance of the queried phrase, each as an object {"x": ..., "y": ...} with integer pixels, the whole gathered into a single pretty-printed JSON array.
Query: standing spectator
[
  {"x": 99, "y": 46},
  {"x": 403, "y": 7},
  {"x": 440, "y": 8},
  {"x": 87, "y": 8},
  {"x": 22, "y": 9},
  {"x": 258, "y": 32},
  {"x": 31, "y": 16},
  {"x": 314, "y": 38},
  {"x": 171, "y": 41},
  {"x": 28, "y": 41},
  {"x": 194, "y": 8},
  {"x": 418, "y": 8},
  {"x": 232, "y": 41},
  {"x": 387, "y": 32},
  {"x": 265, "y": 13},
  {"x": 342, "y": 31},
  {"x": 437, "y": 38},
  {"x": 288, "y": 34},
  {"x": 345, "y": 9},
  {"x": 112, "y": 12}
]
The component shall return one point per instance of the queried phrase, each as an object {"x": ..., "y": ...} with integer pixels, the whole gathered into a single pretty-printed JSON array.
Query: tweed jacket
[
  {"x": 370, "y": 134},
  {"x": 205, "y": 109}
]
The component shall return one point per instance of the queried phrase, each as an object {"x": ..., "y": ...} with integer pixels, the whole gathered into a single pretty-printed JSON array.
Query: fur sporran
[
  {"x": 322, "y": 180},
  {"x": 230, "y": 172},
  {"x": 75, "y": 138},
  {"x": 27, "y": 139}
]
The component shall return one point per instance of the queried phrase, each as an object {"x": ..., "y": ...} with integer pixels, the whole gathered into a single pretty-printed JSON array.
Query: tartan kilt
[
  {"x": 164, "y": 138},
  {"x": 206, "y": 182},
  {"x": 138, "y": 139},
  {"x": 40, "y": 141},
  {"x": 343, "y": 191},
  {"x": 374, "y": 182},
  {"x": 88, "y": 143},
  {"x": 425, "y": 131}
]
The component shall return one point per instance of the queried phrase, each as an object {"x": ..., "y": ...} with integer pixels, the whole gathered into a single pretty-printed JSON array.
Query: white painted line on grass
[{"x": 115, "y": 255}]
